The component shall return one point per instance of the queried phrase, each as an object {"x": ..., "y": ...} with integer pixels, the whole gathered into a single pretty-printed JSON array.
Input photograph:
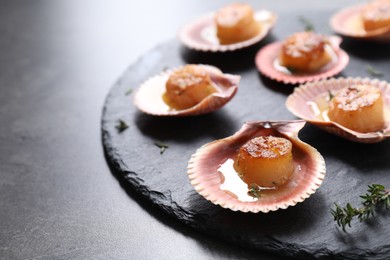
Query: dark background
[{"x": 58, "y": 60}]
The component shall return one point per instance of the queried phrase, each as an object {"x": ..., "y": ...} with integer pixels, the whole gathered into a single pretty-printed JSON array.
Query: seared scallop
[
  {"x": 358, "y": 107},
  {"x": 367, "y": 21},
  {"x": 304, "y": 52},
  {"x": 236, "y": 23},
  {"x": 186, "y": 91},
  {"x": 353, "y": 108},
  {"x": 187, "y": 87},
  {"x": 376, "y": 15},
  {"x": 302, "y": 57},
  {"x": 233, "y": 27},
  {"x": 265, "y": 161},
  {"x": 227, "y": 172}
]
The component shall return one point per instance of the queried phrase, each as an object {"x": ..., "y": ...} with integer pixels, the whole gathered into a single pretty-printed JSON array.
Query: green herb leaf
[
  {"x": 254, "y": 191},
  {"x": 377, "y": 195},
  {"x": 121, "y": 126},
  {"x": 373, "y": 72},
  {"x": 129, "y": 91},
  {"x": 307, "y": 24},
  {"x": 161, "y": 145},
  {"x": 291, "y": 69},
  {"x": 331, "y": 96}
]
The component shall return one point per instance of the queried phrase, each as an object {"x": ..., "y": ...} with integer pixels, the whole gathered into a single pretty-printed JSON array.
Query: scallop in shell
[
  {"x": 311, "y": 103},
  {"x": 348, "y": 22},
  {"x": 267, "y": 62},
  {"x": 211, "y": 171},
  {"x": 201, "y": 34},
  {"x": 149, "y": 96}
]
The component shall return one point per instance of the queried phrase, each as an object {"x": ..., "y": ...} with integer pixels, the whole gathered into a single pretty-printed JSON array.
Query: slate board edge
[{"x": 166, "y": 205}]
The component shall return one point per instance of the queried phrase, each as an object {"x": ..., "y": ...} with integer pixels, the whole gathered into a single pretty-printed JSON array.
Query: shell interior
[
  {"x": 347, "y": 22},
  {"x": 201, "y": 34},
  {"x": 310, "y": 102},
  {"x": 267, "y": 63},
  {"x": 210, "y": 170},
  {"x": 148, "y": 97}
]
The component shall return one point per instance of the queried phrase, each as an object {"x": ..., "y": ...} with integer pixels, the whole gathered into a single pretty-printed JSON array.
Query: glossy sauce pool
[{"x": 232, "y": 184}]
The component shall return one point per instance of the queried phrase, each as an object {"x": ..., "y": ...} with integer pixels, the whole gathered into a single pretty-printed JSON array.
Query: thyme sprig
[
  {"x": 291, "y": 69},
  {"x": 373, "y": 72},
  {"x": 331, "y": 96},
  {"x": 377, "y": 196},
  {"x": 254, "y": 191},
  {"x": 307, "y": 24},
  {"x": 161, "y": 145},
  {"x": 129, "y": 91},
  {"x": 121, "y": 126}
]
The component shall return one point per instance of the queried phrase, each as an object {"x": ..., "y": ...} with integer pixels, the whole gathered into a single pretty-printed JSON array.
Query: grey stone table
[{"x": 58, "y": 197}]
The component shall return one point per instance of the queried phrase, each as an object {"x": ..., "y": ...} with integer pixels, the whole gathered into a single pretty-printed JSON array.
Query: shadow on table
[
  {"x": 276, "y": 86},
  {"x": 215, "y": 125},
  {"x": 372, "y": 51},
  {"x": 229, "y": 62},
  {"x": 260, "y": 230},
  {"x": 214, "y": 245},
  {"x": 365, "y": 157}
]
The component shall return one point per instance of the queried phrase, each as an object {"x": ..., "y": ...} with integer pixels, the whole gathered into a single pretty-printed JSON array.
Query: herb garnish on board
[
  {"x": 161, "y": 145},
  {"x": 373, "y": 72},
  {"x": 254, "y": 191},
  {"x": 129, "y": 91},
  {"x": 377, "y": 196},
  {"x": 307, "y": 24},
  {"x": 121, "y": 126}
]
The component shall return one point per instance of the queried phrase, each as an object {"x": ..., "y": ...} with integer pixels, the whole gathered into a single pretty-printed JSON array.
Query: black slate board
[{"x": 304, "y": 231}]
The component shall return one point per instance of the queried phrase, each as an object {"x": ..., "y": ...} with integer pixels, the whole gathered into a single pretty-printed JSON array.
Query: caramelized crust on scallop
[
  {"x": 376, "y": 15},
  {"x": 236, "y": 23},
  {"x": 266, "y": 161},
  {"x": 187, "y": 87},
  {"x": 304, "y": 52},
  {"x": 267, "y": 147},
  {"x": 359, "y": 108}
]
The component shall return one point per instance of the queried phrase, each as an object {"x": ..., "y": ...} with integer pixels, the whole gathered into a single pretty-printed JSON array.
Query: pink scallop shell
[
  {"x": 148, "y": 97},
  {"x": 347, "y": 22},
  {"x": 267, "y": 63},
  {"x": 206, "y": 179},
  {"x": 200, "y": 35},
  {"x": 300, "y": 103}
]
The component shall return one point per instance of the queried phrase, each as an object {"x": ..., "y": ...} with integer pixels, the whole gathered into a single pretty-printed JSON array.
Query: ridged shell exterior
[
  {"x": 200, "y": 35},
  {"x": 267, "y": 57},
  {"x": 148, "y": 97},
  {"x": 204, "y": 176},
  {"x": 347, "y": 22},
  {"x": 298, "y": 103}
]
